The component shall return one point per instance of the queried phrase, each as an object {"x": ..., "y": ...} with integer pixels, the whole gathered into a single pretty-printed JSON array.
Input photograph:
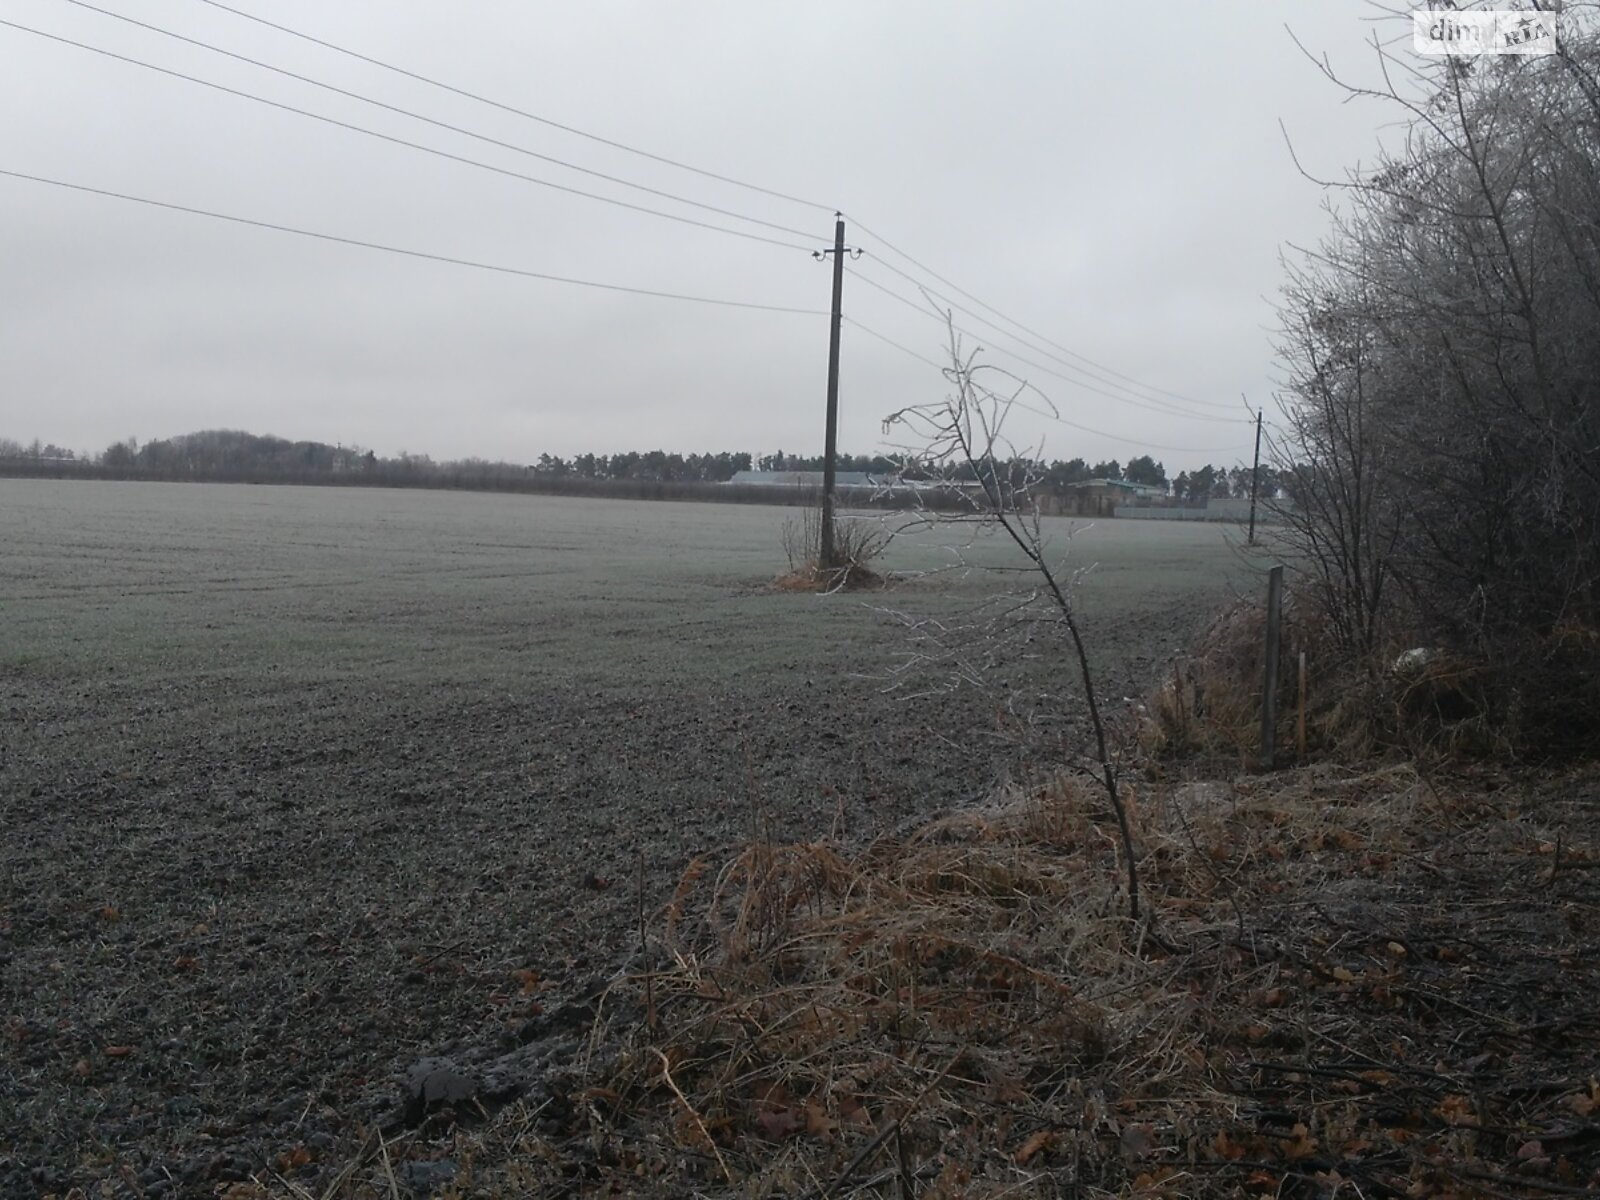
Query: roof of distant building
[
  {"x": 1123, "y": 484},
  {"x": 810, "y": 479}
]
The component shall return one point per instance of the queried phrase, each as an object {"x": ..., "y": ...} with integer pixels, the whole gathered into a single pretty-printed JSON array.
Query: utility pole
[
  {"x": 1255, "y": 479},
  {"x": 831, "y": 441}
]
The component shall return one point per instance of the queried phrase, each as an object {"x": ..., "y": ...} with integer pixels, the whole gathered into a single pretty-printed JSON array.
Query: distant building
[
  {"x": 807, "y": 479},
  {"x": 1104, "y": 495}
]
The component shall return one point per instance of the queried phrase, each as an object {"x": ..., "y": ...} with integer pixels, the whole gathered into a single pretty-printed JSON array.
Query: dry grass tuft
[{"x": 812, "y": 578}]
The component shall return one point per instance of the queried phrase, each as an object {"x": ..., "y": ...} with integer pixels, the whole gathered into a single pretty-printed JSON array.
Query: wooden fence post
[
  {"x": 1300, "y": 722},
  {"x": 1269, "y": 693}
]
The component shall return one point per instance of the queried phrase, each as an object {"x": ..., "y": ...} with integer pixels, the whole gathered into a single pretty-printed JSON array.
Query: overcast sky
[{"x": 1111, "y": 176}]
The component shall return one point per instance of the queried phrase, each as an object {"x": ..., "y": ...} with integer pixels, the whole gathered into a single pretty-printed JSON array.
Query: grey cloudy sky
[{"x": 1112, "y": 176}]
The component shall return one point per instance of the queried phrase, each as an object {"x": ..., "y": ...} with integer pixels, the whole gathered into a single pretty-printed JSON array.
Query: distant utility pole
[
  {"x": 831, "y": 441},
  {"x": 1255, "y": 479}
]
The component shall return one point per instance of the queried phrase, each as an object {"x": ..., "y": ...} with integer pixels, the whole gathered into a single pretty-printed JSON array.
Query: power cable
[
  {"x": 471, "y": 162},
  {"x": 416, "y": 116},
  {"x": 408, "y": 253},
  {"x": 1136, "y": 402},
  {"x": 576, "y": 132},
  {"x": 1121, "y": 392},
  {"x": 1131, "y": 399},
  {"x": 1052, "y": 416},
  {"x": 373, "y": 61},
  {"x": 1009, "y": 320}
]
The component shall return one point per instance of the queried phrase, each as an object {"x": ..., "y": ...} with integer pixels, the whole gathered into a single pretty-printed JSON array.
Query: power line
[
  {"x": 593, "y": 137},
  {"x": 408, "y": 253},
  {"x": 889, "y": 341},
  {"x": 1079, "y": 358},
  {"x": 1050, "y": 416},
  {"x": 1121, "y": 392},
  {"x": 416, "y": 116},
  {"x": 1134, "y": 401},
  {"x": 1009, "y": 320},
  {"x": 471, "y": 162},
  {"x": 1148, "y": 403}
]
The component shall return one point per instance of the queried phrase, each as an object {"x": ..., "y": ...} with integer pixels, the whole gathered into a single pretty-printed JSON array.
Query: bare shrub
[
  {"x": 1443, "y": 443},
  {"x": 857, "y": 541},
  {"x": 961, "y": 444}
]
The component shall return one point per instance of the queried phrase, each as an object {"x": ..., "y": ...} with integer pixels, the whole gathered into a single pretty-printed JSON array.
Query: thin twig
[{"x": 666, "y": 1075}]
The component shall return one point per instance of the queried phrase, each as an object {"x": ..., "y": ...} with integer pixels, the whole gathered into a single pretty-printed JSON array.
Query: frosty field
[{"x": 294, "y": 780}]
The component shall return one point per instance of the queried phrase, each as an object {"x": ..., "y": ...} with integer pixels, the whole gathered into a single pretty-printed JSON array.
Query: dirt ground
[{"x": 300, "y": 788}]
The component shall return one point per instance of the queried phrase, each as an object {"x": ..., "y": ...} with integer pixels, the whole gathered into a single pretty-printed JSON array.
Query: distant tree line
[
  {"x": 652, "y": 465},
  {"x": 224, "y": 455},
  {"x": 1208, "y": 482},
  {"x": 36, "y": 451}
]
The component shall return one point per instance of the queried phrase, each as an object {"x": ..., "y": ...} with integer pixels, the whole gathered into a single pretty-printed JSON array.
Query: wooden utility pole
[
  {"x": 1255, "y": 479},
  {"x": 831, "y": 442}
]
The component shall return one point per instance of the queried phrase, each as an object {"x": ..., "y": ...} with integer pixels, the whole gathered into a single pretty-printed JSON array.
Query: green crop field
[{"x": 293, "y": 779}]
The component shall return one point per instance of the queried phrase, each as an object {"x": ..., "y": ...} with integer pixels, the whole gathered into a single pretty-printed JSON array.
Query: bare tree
[{"x": 962, "y": 443}]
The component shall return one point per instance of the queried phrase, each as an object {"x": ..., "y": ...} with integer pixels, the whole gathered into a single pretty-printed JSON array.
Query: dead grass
[
  {"x": 1355, "y": 982},
  {"x": 1538, "y": 700},
  {"x": 812, "y": 578}
]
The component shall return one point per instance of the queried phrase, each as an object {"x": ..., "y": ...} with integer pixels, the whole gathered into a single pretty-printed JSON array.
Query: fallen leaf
[
  {"x": 1458, "y": 1111},
  {"x": 186, "y": 962},
  {"x": 291, "y": 1159},
  {"x": 1531, "y": 1149},
  {"x": 1585, "y": 1103},
  {"x": 1227, "y": 1148},
  {"x": 780, "y": 1123},
  {"x": 1156, "y": 1183},
  {"x": 527, "y": 978},
  {"x": 1042, "y": 1139},
  {"x": 1344, "y": 974},
  {"x": 1301, "y": 1144},
  {"x": 1008, "y": 1089},
  {"x": 818, "y": 1123},
  {"x": 118, "y": 1051},
  {"x": 1396, "y": 949}
]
